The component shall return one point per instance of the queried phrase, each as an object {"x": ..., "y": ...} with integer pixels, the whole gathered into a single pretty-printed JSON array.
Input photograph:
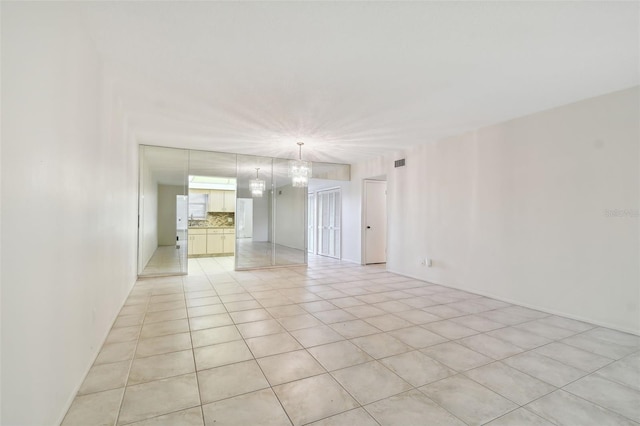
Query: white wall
[
  {"x": 167, "y": 213},
  {"x": 68, "y": 210},
  {"x": 519, "y": 210}
]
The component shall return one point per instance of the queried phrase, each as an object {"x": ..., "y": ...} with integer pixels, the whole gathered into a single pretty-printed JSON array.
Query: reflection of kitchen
[{"x": 212, "y": 213}]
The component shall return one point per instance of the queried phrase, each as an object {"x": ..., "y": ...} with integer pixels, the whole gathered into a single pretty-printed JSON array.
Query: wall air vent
[{"x": 399, "y": 163}]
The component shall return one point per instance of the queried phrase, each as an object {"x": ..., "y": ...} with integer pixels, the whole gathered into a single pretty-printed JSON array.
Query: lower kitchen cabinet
[
  {"x": 221, "y": 241},
  {"x": 197, "y": 243}
]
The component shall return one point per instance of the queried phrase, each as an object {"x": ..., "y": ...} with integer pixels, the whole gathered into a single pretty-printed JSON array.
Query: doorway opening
[{"x": 374, "y": 221}]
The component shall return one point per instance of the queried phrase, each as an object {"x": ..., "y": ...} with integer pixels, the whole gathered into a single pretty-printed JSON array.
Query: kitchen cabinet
[
  {"x": 221, "y": 241},
  {"x": 222, "y": 201},
  {"x": 197, "y": 243}
]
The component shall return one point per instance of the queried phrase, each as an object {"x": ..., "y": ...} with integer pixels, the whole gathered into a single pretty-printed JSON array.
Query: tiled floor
[
  {"x": 341, "y": 344},
  {"x": 166, "y": 260}
]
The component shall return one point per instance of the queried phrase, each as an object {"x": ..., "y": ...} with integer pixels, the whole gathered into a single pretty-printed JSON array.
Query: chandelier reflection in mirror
[
  {"x": 257, "y": 185},
  {"x": 299, "y": 171}
]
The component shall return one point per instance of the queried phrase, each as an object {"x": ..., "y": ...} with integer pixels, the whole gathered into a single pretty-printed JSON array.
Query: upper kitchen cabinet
[{"x": 222, "y": 201}]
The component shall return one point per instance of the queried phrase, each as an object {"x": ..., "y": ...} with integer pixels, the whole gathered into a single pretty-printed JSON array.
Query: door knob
[{"x": 368, "y": 227}]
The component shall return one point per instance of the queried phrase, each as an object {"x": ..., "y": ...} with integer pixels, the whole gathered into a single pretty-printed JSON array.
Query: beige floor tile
[
  {"x": 221, "y": 354},
  {"x": 456, "y": 356},
  {"x": 133, "y": 309},
  {"x": 417, "y": 337},
  {"x": 272, "y": 344},
  {"x": 443, "y": 311},
  {"x": 346, "y": 302},
  {"x": 599, "y": 347},
  {"x": 123, "y": 334},
  {"x": 418, "y": 316},
  {"x": 357, "y": 417},
  {"x": 313, "y": 398},
  {"x": 318, "y": 306},
  {"x": 286, "y": 311},
  {"x": 370, "y": 382},
  {"x": 104, "y": 377},
  {"x": 161, "y": 366},
  {"x": 355, "y": 328},
  {"x": 365, "y": 311},
  {"x": 190, "y": 417},
  {"x": 626, "y": 371},
  {"x": 128, "y": 320},
  {"x": 265, "y": 410},
  {"x": 520, "y": 417},
  {"x": 242, "y": 305},
  {"x": 166, "y": 298},
  {"x": 201, "y": 311},
  {"x": 478, "y": 323},
  {"x": 100, "y": 409},
  {"x": 556, "y": 321},
  {"x": 388, "y": 322},
  {"x": 213, "y": 336},
  {"x": 616, "y": 397},
  {"x": 490, "y": 346},
  {"x": 450, "y": 329},
  {"x": 546, "y": 330},
  {"x": 203, "y": 301},
  {"x": 573, "y": 356},
  {"x": 520, "y": 338},
  {"x": 115, "y": 352},
  {"x": 411, "y": 408},
  {"x": 392, "y": 306},
  {"x": 545, "y": 369},
  {"x": 163, "y": 344},
  {"x": 260, "y": 328},
  {"x": 210, "y": 321},
  {"x": 467, "y": 400},
  {"x": 339, "y": 355},
  {"x": 159, "y": 397},
  {"x": 290, "y": 366},
  {"x": 333, "y": 316},
  {"x": 417, "y": 368},
  {"x": 250, "y": 315},
  {"x": 164, "y": 328},
  {"x": 316, "y": 336},
  {"x": 166, "y": 306},
  {"x": 230, "y": 380},
  {"x": 510, "y": 383},
  {"x": 381, "y": 345},
  {"x": 298, "y": 322},
  {"x": 563, "y": 408}
]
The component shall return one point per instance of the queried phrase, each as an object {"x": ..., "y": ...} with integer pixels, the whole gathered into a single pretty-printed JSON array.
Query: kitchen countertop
[{"x": 212, "y": 227}]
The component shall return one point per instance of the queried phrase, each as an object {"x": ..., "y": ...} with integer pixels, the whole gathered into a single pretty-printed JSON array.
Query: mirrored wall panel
[
  {"x": 289, "y": 217},
  {"x": 163, "y": 211},
  {"x": 254, "y": 227},
  {"x": 212, "y": 212}
]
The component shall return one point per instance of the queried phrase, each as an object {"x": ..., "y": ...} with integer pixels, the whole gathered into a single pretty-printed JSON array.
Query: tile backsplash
[{"x": 215, "y": 219}]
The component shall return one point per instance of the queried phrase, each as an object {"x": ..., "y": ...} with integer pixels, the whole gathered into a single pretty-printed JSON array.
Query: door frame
[{"x": 363, "y": 219}]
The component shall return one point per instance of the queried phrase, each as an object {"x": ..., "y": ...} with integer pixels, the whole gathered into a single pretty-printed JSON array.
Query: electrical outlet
[
  {"x": 429, "y": 263},
  {"x": 423, "y": 261}
]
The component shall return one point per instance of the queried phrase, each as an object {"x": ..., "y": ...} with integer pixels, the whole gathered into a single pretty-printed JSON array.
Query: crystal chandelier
[
  {"x": 257, "y": 185},
  {"x": 299, "y": 171}
]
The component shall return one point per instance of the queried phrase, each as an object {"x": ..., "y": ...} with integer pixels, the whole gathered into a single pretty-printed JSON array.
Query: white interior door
[
  {"x": 329, "y": 223},
  {"x": 375, "y": 221}
]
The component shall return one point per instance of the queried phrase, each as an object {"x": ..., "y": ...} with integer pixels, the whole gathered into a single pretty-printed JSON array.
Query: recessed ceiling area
[{"x": 352, "y": 80}]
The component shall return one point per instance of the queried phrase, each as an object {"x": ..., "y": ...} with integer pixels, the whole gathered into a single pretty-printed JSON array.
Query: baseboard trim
[{"x": 526, "y": 305}]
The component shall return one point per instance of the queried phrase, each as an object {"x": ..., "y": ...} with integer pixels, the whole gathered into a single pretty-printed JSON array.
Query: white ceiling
[{"x": 353, "y": 80}]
